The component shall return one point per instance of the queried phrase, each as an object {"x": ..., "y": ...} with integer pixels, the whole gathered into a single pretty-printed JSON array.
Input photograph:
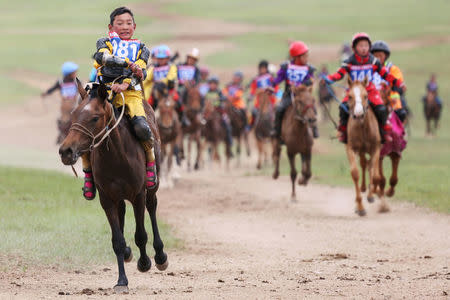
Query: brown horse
[
  {"x": 263, "y": 124},
  {"x": 432, "y": 112},
  {"x": 118, "y": 165},
  {"x": 325, "y": 98},
  {"x": 215, "y": 133},
  {"x": 297, "y": 135},
  {"x": 363, "y": 139},
  {"x": 170, "y": 131},
  {"x": 238, "y": 130},
  {"x": 67, "y": 106},
  {"x": 193, "y": 112}
]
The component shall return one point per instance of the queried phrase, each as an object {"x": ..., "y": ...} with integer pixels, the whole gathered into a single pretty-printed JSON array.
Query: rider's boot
[{"x": 381, "y": 114}]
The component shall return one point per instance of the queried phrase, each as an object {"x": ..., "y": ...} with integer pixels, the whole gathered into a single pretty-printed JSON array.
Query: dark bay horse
[
  {"x": 193, "y": 111},
  {"x": 325, "y": 98},
  {"x": 297, "y": 135},
  {"x": 432, "y": 112},
  {"x": 170, "y": 131},
  {"x": 238, "y": 130},
  {"x": 363, "y": 139},
  {"x": 263, "y": 124},
  {"x": 118, "y": 165}
]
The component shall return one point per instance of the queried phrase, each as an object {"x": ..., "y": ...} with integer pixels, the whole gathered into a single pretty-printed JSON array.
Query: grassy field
[{"x": 45, "y": 218}]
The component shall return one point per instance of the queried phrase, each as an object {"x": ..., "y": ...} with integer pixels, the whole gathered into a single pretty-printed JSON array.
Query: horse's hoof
[
  {"x": 196, "y": 167},
  {"x": 383, "y": 209},
  {"x": 370, "y": 199},
  {"x": 121, "y": 289},
  {"x": 390, "y": 192},
  {"x": 302, "y": 181},
  {"x": 363, "y": 189},
  {"x": 275, "y": 175},
  {"x": 128, "y": 255},
  {"x": 258, "y": 166},
  {"x": 361, "y": 212},
  {"x": 143, "y": 265},
  {"x": 294, "y": 199},
  {"x": 163, "y": 266}
]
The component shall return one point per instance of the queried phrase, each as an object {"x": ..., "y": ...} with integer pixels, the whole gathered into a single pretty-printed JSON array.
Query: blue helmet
[
  {"x": 239, "y": 74},
  {"x": 162, "y": 51},
  {"x": 68, "y": 67}
]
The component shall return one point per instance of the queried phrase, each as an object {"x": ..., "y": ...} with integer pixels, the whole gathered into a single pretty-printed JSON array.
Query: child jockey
[
  {"x": 161, "y": 71},
  {"x": 380, "y": 50},
  {"x": 203, "y": 85},
  {"x": 68, "y": 85},
  {"x": 188, "y": 73},
  {"x": 263, "y": 81},
  {"x": 295, "y": 72},
  {"x": 234, "y": 92},
  {"x": 215, "y": 96},
  {"x": 433, "y": 88},
  {"x": 359, "y": 65},
  {"x": 120, "y": 57}
]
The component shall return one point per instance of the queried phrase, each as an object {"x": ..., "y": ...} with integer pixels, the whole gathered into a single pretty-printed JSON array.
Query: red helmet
[
  {"x": 298, "y": 48},
  {"x": 361, "y": 36}
]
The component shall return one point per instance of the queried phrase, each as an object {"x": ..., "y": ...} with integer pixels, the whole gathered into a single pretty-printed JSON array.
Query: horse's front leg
[
  {"x": 160, "y": 256},
  {"x": 199, "y": 150},
  {"x": 395, "y": 159},
  {"x": 293, "y": 176},
  {"x": 189, "y": 152},
  {"x": 382, "y": 178},
  {"x": 247, "y": 144},
  {"x": 276, "y": 157},
  {"x": 375, "y": 166},
  {"x": 128, "y": 256},
  {"x": 363, "y": 164},
  {"x": 259, "y": 145},
  {"x": 140, "y": 237},
  {"x": 351, "y": 155},
  {"x": 306, "y": 168}
]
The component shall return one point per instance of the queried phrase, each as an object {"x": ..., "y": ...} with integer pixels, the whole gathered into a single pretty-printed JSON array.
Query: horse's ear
[
  {"x": 102, "y": 92},
  {"x": 81, "y": 90},
  {"x": 349, "y": 80},
  {"x": 366, "y": 81}
]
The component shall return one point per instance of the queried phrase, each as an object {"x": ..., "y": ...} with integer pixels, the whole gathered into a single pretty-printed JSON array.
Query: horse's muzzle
[{"x": 68, "y": 155}]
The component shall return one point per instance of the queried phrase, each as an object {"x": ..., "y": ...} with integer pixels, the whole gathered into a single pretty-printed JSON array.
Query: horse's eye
[{"x": 95, "y": 119}]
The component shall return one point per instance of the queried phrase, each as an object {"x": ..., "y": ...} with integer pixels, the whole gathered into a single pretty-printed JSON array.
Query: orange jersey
[
  {"x": 235, "y": 94},
  {"x": 262, "y": 82}
]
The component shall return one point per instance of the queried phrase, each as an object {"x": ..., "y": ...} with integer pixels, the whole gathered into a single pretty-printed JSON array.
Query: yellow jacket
[
  {"x": 394, "y": 97},
  {"x": 166, "y": 74}
]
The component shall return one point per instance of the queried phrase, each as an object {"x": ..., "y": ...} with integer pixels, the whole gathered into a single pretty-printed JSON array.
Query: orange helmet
[
  {"x": 361, "y": 36},
  {"x": 298, "y": 48}
]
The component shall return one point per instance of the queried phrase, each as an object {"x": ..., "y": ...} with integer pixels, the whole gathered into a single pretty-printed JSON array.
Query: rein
[{"x": 299, "y": 115}]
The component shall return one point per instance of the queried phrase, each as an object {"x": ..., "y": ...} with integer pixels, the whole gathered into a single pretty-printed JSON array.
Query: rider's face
[
  {"x": 263, "y": 70},
  {"x": 380, "y": 55},
  {"x": 212, "y": 86},
  {"x": 362, "y": 48},
  {"x": 301, "y": 59},
  {"x": 162, "y": 61},
  {"x": 124, "y": 26},
  {"x": 191, "y": 61}
]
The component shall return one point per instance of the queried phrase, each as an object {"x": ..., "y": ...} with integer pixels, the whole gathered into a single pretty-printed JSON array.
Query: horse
[
  {"x": 263, "y": 124},
  {"x": 64, "y": 123},
  {"x": 193, "y": 112},
  {"x": 393, "y": 148},
  {"x": 297, "y": 135},
  {"x": 238, "y": 130},
  {"x": 363, "y": 139},
  {"x": 432, "y": 111},
  {"x": 215, "y": 133},
  {"x": 118, "y": 165},
  {"x": 325, "y": 97},
  {"x": 169, "y": 129}
]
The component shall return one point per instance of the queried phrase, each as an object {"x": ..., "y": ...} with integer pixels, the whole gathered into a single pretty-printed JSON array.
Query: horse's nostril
[{"x": 65, "y": 151}]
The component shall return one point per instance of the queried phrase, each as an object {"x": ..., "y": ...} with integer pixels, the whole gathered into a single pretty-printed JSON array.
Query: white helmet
[{"x": 194, "y": 53}]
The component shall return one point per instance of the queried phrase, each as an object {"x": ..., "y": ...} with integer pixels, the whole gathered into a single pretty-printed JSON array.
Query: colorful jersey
[
  {"x": 188, "y": 73},
  {"x": 235, "y": 94},
  {"x": 359, "y": 68},
  {"x": 262, "y": 82},
  {"x": 166, "y": 74},
  {"x": 216, "y": 98},
  {"x": 133, "y": 50},
  {"x": 432, "y": 87},
  {"x": 67, "y": 88},
  {"x": 203, "y": 88},
  {"x": 294, "y": 75},
  {"x": 394, "y": 97}
]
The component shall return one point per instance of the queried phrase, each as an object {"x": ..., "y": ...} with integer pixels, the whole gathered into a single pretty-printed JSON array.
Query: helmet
[
  {"x": 194, "y": 53},
  {"x": 298, "y": 48},
  {"x": 263, "y": 64},
  {"x": 204, "y": 70},
  {"x": 360, "y": 36},
  {"x": 213, "y": 79},
  {"x": 239, "y": 74},
  {"x": 162, "y": 51},
  {"x": 381, "y": 46},
  {"x": 68, "y": 67}
]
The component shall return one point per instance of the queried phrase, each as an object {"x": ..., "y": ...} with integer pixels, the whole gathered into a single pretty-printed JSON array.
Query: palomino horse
[
  {"x": 170, "y": 131},
  {"x": 263, "y": 124},
  {"x": 215, "y": 133},
  {"x": 363, "y": 138},
  {"x": 325, "y": 98},
  {"x": 118, "y": 165},
  {"x": 193, "y": 112},
  {"x": 392, "y": 148},
  {"x": 297, "y": 135},
  {"x": 432, "y": 112},
  {"x": 238, "y": 130}
]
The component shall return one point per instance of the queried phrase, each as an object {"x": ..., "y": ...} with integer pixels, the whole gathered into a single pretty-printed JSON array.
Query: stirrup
[
  {"x": 151, "y": 179},
  {"x": 88, "y": 188}
]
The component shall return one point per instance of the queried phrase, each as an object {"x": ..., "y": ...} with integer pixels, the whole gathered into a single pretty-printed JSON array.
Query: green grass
[{"x": 45, "y": 219}]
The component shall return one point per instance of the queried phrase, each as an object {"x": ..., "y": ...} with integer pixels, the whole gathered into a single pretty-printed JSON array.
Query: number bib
[
  {"x": 69, "y": 90},
  {"x": 358, "y": 73},
  {"x": 377, "y": 80},
  {"x": 263, "y": 81},
  {"x": 159, "y": 73},
  {"x": 186, "y": 73},
  {"x": 296, "y": 74},
  {"x": 232, "y": 90},
  {"x": 124, "y": 48},
  {"x": 203, "y": 88}
]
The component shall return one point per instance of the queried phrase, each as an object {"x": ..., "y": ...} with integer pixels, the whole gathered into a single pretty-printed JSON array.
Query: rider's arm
[
  {"x": 378, "y": 67},
  {"x": 340, "y": 73},
  {"x": 103, "y": 46},
  {"x": 141, "y": 62},
  {"x": 281, "y": 75},
  {"x": 55, "y": 87}
]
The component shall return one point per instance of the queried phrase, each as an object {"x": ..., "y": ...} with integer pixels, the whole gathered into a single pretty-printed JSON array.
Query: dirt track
[{"x": 243, "y": 238}]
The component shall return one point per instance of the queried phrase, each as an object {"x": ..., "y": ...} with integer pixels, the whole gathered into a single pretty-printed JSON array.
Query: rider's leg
[
  {"x": 88, "y": 189},
  {"x": 401, "y": 114},
  {"x": 279, "y": 113}
]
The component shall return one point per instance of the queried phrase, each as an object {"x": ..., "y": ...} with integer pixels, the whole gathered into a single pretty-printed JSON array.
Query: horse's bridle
[{"x": 300, "y": 115}]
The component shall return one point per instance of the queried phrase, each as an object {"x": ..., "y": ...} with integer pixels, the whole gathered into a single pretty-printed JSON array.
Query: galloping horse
[
  {"x": 238, "y": 130},
  {"x": 169, "y": 129},
  {"x": 432, "y": 111},
  {"x": 118, "y": 165},
  {"x": 193, "y": 112},
  {"x": 297, "y": 135},
  {"x": 263, "y": 124},
  {"x": 363, "y": 138},
  {"x": 215, "y": 133},
  {"x": 325, "y": 98}
]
